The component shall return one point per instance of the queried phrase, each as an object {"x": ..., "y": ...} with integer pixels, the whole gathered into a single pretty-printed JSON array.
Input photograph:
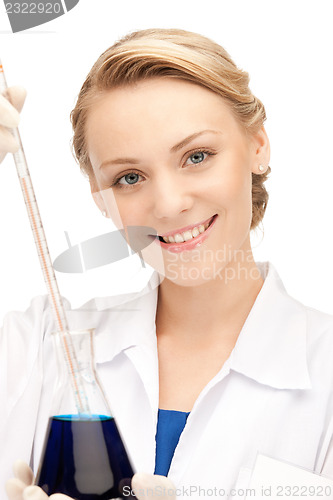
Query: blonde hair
[{"x": 179, "y": 54}]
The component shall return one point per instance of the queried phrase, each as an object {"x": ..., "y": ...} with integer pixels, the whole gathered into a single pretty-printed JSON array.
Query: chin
[{"x": 193, "y": 274}]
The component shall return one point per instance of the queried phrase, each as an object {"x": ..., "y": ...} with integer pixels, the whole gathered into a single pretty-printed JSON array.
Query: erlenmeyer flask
[{"x": 83, "y": 455}]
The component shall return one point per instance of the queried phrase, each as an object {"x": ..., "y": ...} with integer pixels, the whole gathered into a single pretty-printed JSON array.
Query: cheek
[
  {"x": 230, "y": 186},
  {"x": 131, "y": 210}
]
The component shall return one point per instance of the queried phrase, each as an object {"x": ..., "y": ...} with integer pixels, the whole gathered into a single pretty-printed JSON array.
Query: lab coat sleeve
[{"x": 21, "y": 374}]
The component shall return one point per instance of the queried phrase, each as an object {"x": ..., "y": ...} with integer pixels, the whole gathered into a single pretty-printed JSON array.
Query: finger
[
  {"x": 14, "y": 489},
  {"x": 148, "y": 486},
  {"x": 9, "y": 116},
  {"x": 17, "y": 95},
  {"x": 23, "y": 472},
  {"x": 8, "y": 143},
  {"x": 34, "y": 493},
  {"x": 60, "y": 496}
]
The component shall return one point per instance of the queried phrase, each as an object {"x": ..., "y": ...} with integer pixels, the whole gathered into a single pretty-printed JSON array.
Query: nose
[{"x": 171, "y": 196}]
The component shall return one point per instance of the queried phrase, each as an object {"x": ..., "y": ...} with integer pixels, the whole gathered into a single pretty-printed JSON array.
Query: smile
[
  {"x": 187, "y": 234},
  {"x": 188, "y": 237}
]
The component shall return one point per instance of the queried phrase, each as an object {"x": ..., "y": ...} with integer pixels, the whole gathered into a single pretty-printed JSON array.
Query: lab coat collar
[
  {"x": 126, "y": 321},
  {"x": 270, "y": 349},
  {"x": 107, "y": 303}
]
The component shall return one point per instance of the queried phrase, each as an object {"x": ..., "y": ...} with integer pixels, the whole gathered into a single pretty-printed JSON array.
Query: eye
[
  {"x": 197, "y": 157},
  {"x": 129, "y": 179}
]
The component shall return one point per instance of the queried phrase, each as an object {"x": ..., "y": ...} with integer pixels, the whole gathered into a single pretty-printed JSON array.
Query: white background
[{"x": 286, "y": 46}]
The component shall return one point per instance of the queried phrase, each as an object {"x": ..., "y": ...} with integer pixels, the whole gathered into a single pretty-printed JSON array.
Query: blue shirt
[{"x": 170, "y": 425}]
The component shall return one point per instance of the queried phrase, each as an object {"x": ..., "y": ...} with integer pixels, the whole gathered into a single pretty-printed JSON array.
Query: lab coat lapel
[
  {"x": 270, "y": 349},
  {"x": 131, "y": 329},
  {"x": 126, "y": 356}
]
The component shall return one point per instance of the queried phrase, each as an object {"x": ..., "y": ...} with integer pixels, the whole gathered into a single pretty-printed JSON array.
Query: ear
[{"x": 262, "y": 150}]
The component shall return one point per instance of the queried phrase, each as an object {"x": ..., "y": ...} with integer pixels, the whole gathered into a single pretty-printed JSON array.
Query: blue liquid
[{"x": 84, "y": 459}]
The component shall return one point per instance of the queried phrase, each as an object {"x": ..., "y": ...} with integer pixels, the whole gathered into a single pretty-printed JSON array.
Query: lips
[
  {"x": 186, "y": 233},
  {"x": 193, "y": 242}
]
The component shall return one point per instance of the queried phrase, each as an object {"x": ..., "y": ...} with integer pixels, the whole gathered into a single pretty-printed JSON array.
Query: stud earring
[
  {"x": 104, "y": 213},
  {"x": 262, "y": 168}
]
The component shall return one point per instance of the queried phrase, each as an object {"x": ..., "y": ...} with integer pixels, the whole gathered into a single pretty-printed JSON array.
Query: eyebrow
[
  {"x": 119, "y": 161},
  {"x": 190, "y": 138},
  {"x": 174, "y": 149}
]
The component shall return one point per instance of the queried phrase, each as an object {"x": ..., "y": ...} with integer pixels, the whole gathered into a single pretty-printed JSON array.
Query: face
[{"x": 170, "y": 155}]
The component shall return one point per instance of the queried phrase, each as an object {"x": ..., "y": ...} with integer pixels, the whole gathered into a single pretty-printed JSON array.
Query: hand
[
  {"x": 9, "y": 117},
  {"x": 147, "y": 486},
  {"x": 144, "y": 486},
  {"x": 21, "y": 488}
]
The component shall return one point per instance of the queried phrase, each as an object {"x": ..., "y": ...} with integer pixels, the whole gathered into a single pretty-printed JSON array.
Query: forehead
[{"x": 165, "y": 109}]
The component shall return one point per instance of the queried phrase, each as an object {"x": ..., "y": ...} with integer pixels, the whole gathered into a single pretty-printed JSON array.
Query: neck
[{"x": 214, "y": 308}]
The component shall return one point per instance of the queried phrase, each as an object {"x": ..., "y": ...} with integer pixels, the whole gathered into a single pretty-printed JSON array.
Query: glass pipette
[{"x": 81, "y": 399}]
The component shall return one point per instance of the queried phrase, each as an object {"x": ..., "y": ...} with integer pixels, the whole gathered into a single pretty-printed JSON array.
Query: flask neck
[
  {"x": 78, "y": 391},
  {"x": 75, "y": 353}
]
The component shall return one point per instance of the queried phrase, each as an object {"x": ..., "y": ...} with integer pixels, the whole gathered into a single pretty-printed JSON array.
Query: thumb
[
  {"x": 60, "y": 496},
  {"x": 23, "y": 472},
  {"x": 17, "y": 95},
  {"x": 34, "y": 493},
  {"x": 14, "y": 489},
  {"x": 149, "y": 486}
]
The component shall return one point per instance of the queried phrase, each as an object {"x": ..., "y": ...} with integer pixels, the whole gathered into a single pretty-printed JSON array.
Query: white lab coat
[{"x": 273, "y": 395}]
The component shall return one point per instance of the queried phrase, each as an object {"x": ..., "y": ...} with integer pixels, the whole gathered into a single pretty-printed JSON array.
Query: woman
[{"x": 171, "y": 138}]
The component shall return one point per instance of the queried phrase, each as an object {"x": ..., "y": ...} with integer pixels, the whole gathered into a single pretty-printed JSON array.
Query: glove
[
  {"x": 21, "y": 488},
  {"x": 9, "y": 117},
  {"x": 147, "y": 486},
  {"x": 23, "y": 478},
  {"x": 144, "y": 486}
]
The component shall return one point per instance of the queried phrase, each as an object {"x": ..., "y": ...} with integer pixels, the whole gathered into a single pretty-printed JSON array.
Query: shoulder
[
  {"x": 318, "y": 325},
  {"x": 304, "y": 334},
  {"x": 36, "y": 320},
  {"x": 318, "y": 332},
  {"x": 21, "y": 347},
  {"x": 319, "y": 336},
  {"x": 23, "y": 326}
]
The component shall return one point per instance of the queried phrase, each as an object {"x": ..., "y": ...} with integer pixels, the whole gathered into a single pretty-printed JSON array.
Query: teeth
[
  {"x": 179, "y": 238},
  {"x": 187, "y": 235}
]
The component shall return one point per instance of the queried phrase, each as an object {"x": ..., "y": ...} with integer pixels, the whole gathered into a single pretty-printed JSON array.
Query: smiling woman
[
  {"x": 177, "y": 54},
  {"x": 197, "y": 171},
  {"x": 218, "y": 363}
]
